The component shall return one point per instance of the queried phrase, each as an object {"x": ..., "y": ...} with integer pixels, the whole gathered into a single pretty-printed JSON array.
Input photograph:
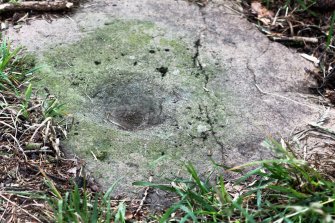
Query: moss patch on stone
[{"x": 141, "y": 104}]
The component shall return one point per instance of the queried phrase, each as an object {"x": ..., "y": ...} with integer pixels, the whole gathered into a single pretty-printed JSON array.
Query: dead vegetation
[
  {"x": 31, "y": 130},
  {"x": 30, "y": 152},
  {"x": 17, "y": 13},
  {"x": 307, "y": 26}
]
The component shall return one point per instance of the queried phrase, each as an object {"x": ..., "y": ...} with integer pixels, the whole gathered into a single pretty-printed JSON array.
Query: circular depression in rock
[{"x": 132, "y": 103}]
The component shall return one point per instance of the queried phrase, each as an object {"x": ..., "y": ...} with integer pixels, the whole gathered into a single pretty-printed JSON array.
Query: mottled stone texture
[{"x": 156, "y": 83}]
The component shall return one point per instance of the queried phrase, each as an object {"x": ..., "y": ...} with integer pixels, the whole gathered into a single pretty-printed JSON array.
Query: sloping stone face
[{"x": 157, "y": 83}]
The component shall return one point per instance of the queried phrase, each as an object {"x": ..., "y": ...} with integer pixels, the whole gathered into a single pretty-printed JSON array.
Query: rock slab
[{"x": 157, "y": 83}]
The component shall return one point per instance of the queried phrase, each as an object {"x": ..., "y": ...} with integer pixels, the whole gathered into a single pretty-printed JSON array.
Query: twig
[
  {"x": 3, "y": 214},
  {"x": 46, "y": 132},
  {"x": 95, "y": 157},
  {"x": 38, "y": 151},
  {"x": 42, "y": 124},
  {"x": 55, "y": 145},
  {"x": 264, "y": 30},
  {"x": 115, "y": 123},
  {"x": 23, "y": 18},
  {"x": 295, "y": 39},
  {"x": 322, "y": 129},
  {"x": 25, "y": 211},
  {"x": 36, "y": 6},
  {"x": 34, "y": 107},
  {"x": 144, "y": 198},
  {"x": 276, "y": 16},
  {"x": 4, "y": 123},
  {"x": 17, "y": 142}
]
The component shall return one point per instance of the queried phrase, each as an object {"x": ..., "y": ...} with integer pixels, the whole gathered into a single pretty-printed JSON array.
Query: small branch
[
  {"x": 38, "y": 151},
  {"x": 42, "y": 124},
  {"x": 322, "y": 129},
  {"x": 144, "y": 198},
  {"x": 294, "y": 39},
  {"x": 36, "y": 6},
  {"x": 19, "y": 207}
]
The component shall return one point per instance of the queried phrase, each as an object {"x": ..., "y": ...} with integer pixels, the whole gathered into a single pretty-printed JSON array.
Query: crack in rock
[{"x": 213, "y": 132}]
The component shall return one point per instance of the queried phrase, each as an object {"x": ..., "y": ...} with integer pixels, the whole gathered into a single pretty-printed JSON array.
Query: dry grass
[{"x": 30, "y": 150}]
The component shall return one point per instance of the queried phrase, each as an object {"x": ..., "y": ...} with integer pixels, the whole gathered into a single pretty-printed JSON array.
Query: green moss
[{"x": 114, "y": 61}]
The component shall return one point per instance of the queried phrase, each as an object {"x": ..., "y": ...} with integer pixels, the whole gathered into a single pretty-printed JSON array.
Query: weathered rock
[{"x": 157, "y": 83}]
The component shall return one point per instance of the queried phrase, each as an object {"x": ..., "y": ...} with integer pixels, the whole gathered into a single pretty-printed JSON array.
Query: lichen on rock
[{"x": 138, "y": 98}]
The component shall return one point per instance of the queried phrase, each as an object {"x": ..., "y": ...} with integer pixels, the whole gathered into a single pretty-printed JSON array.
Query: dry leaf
[
  {"x": 265, "y": 21},
  {"x": 72, "y": 170},
  {"x": 261, "y": 12},
  {"x": 129, "y": 215}
]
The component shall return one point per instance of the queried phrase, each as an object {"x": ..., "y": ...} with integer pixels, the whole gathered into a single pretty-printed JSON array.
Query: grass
[
  {"x": 30, "y": 134},
  {"x": 8, "y": 77},
  {"x": 80, "y": 206},
  {"x": 284, "y": 189},
  {"x": 14, "y": 67}
]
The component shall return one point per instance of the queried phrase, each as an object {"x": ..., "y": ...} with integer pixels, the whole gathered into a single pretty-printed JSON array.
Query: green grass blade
[
  {"x": 259, "y": 199},
  {"x": 331, "y": 30},
  {"x": 245, "y": 176},
  {"x": 95, "y": 213},
  {"x": 288, "y": 191},
  {"x": 168, "y": 212},
  {"x": 120, "y": 216},
  {"x": 111, "y": 189},
  {"x": 193, "y": 172},
  {"x": 279, "y": 161},
  {"x": 108, "y": 211},
  {"x": 60, "y": 211},
  {"x": 153, "y": 185},
  {"x": 188, "y": 213},
  {"x": 28, "y": 92},
  {"x": 75, "y": 199},
  {"x": 53, "y": 189},
  {"x": 249, "y": 218},
  {"x": 223, "y": 194},
  {"x": 201, "y": 201}
]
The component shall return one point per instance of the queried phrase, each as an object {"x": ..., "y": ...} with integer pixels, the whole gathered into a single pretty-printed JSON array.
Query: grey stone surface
[{"x": 227, "y": 86}]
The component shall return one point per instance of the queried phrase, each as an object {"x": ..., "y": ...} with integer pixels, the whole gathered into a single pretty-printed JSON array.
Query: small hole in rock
[
  {"x": 135, "y": 63},
  {"x": 97, "y": 62},
  {"x": 134, "y": 105},
  {"x": 167, "y": 50},
  {"x": 152, "y": 51},
  {"x": 162, "y": 70}
]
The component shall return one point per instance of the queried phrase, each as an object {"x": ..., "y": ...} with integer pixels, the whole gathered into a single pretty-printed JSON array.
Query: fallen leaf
[
  {"x": 129, "y": 215},
  {"x": 72, "y": 170},
  {"x": 265, "y": 21},
  {"x": 261, "y": 12}
]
